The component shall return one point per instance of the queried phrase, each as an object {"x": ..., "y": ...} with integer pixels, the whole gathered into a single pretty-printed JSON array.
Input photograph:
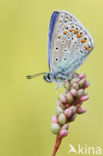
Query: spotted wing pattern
[{"x": 70, "y": 43}]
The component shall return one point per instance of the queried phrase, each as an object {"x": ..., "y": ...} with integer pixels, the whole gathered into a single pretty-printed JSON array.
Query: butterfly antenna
[{"x": 35, "y": 75}]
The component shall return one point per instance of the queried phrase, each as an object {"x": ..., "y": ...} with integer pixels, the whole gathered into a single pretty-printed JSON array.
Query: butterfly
[{"x": 69, "y": 44}]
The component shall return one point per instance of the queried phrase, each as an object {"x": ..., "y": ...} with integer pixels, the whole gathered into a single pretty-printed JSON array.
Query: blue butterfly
[{"x": 69, "y": 44}]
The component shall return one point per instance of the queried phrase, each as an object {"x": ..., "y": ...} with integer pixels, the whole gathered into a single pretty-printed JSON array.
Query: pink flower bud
[
  {"x": 80, "y": 93},
  {"x": 73, "y": 109},
  {"x": 82, "y": 76},
  {"x": 67, "y": 86},
  {"x": 63, "y": 133},
  {"x": 79, "y": 104},
  {"x": 83, "y": 98},
  {"x": 63, "y": 98},
  {"x": 66, "y": 126},
  {"x": 76, "y": 86},
  {"x": 62, "y": 119},
  {"x": 86, "y": 84},
  {"x": 67, "y": 105},
  {"x": 69, "y": 98},
  {"x": 58, "y": 101},
  {"x": 68, "y": 113},
  {"x": 54, "y": 119},
  {"x": 73, "y": 92},
  {"x": 55, "y": 128},
  {"x": 72, "y": 118},
  {"x": 82, "y": 82},
  {"x": 81, "y": 110},
  {"x": 59, "y": 110},
  {"x": 85, "y": 93},
  {"x": 74, "y": 80}
]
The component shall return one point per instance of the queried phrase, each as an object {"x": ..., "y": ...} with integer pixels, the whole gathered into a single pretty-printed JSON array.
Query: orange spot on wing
[
  {"x": 79, "y": 35},
  {"x": 83, "y": 41},
  {"x": 76, "y": 31},
  {"x": 59, "y": 36},
  {"x": 65, "y": 32},
  {"x": 87, "y": 48},
  {"x": 71, "y": 30}
]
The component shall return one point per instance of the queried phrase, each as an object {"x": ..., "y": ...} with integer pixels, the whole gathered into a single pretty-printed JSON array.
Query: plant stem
[{"x": 57, "y": 144}]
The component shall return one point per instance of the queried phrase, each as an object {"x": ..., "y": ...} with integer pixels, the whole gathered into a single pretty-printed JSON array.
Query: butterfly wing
[{"x": 69, "y": 43}]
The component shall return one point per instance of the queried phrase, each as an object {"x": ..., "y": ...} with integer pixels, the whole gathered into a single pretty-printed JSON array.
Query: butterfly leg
[
  {"x": 61, "y": 84},
  {"x": 61, "y": 78},
  {"x": 69, "y": 77},
  {"x": 57, "y": 86}
]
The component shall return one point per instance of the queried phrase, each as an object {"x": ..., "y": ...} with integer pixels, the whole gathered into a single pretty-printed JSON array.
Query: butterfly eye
[{"x": 72, "y": 26}]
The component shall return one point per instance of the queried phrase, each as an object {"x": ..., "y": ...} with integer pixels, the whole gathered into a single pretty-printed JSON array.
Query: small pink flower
[
  {"x": 83, "y": 98},
  {"x": 67, "y": 105},
  {"x": 66, "y": 126},
  {"x": 63, "y": 98},
  {"x": 76, "y": 86},
  {"x": 68, "y": 112},
  {"x": 54, "y": 119},
  {"x": 81, "y": 110},
  {"x": 73, "y": 109},
  {"x": 87, "y": 83},
  {"x": 82, "y": 76},
  {"x": 69, "y": 97},
  {"x": 79, "y": 104},
  {"x": 63, "y": 133},
  {"x": 73, "y": 118},
  {"x": 73, "y": 92},
  {"x": 85, "y": 93}
]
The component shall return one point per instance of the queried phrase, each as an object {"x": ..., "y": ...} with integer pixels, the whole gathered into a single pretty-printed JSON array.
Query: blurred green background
[{"x": 26, "y": 106}]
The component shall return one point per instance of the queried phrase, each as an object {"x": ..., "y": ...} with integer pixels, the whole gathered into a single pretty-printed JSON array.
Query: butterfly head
[{"x": 48, "y": 77}]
